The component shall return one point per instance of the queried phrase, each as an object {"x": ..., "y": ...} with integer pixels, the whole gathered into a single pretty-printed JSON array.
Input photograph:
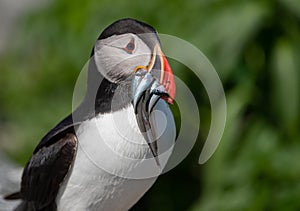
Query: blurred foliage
[{"x": 255, "y": 47}]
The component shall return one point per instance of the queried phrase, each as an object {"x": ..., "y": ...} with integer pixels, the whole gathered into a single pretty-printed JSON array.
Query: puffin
[{"x": 110, "y": 150}]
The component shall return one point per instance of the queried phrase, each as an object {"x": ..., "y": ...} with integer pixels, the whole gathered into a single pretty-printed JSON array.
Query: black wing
[
  {"x": 50, "y": 163},
  {"x": 46, "y": 170}
]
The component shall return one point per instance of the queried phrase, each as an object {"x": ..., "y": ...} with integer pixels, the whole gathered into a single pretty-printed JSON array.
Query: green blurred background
[{"x": 254, "y": 46}]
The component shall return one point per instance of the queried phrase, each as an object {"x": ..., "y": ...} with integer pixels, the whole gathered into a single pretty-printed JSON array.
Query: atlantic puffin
[{"x": 110, "y": 150}]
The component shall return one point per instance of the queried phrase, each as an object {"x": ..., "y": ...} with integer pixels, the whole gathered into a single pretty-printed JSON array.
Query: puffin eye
[{"x": 130, "y": 46}]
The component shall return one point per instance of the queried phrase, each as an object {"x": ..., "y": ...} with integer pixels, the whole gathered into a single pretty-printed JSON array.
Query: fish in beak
[{"x": 150, "y": 83}]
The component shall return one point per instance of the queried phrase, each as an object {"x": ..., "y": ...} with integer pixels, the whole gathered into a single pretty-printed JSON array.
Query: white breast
[{"x": 114, "y": 167}]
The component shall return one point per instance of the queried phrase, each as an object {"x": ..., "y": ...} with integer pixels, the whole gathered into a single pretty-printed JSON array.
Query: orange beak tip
[{"x": 168, "y": 81}]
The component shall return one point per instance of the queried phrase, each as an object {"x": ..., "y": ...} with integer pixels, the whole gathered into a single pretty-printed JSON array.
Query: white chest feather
[{"x": 114, "y": 166}]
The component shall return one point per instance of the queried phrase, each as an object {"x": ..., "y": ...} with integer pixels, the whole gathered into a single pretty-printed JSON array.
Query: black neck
[{"x": 103, "y": 96}]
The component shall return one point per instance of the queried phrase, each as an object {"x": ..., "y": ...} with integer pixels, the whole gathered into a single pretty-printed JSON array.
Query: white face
[{"x": 116, "y": 57}]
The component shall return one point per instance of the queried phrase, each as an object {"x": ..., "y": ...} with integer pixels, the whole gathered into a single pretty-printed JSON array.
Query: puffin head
[{"x": 127, "y": 51}]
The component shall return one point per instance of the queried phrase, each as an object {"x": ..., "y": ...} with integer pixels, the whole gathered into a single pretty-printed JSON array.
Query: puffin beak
[
  {"x": 151, "y": 83},
  {"x": 156, "y": 76},
  {"x": 167, "y": 78}
]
